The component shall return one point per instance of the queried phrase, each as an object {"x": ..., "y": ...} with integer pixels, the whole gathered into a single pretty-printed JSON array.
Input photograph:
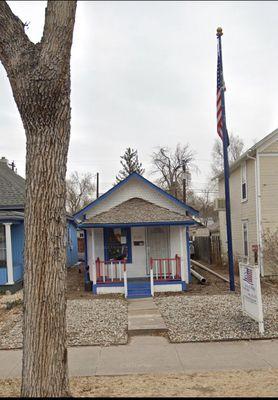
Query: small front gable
[{"x": 134, "y": 186}]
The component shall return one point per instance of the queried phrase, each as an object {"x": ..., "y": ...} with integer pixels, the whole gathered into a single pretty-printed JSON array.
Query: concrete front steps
[
  {"x": 138, "y": 289},
  {"x": 144, "y": 318}
]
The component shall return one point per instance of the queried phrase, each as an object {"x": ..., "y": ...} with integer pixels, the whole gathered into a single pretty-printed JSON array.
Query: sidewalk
[{"x": 151, "y": 354}]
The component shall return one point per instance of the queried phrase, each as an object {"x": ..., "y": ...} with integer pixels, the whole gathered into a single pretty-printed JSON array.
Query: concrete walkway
[
  {"x": 145, "y": 355},
  {"x": 144, "y": 318}
]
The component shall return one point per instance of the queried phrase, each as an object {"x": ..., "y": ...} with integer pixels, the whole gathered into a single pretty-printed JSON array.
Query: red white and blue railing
[
  {"x": 164, "y": 269},
  {"x": 110, "y": 271}
]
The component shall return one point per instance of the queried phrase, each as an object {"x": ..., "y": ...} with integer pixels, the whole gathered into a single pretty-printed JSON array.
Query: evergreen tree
[{"x": 130, "y": 164}]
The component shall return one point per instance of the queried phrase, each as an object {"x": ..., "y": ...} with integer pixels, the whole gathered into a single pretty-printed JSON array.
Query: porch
[{"x": 138, "y": 261}]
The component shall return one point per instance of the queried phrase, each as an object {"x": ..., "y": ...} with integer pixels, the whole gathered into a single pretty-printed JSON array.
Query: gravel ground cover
[
  {"x": 214, "y": 317},
  {"x": 89, "y": 322}
]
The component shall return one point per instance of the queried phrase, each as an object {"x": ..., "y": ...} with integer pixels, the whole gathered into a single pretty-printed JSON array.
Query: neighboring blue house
[{"x": 12, "y": 189}]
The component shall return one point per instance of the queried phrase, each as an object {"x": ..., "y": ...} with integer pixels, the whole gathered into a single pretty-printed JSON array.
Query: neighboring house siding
[
  {"x": 131, "y": 189},
  {"x": 72, "y": 252},
  {"x": 17, "y": 250},
  {"x": 240, "y": 211},
  {"x": 269, "y": 195},
  {"x": 267, "y": 156}
]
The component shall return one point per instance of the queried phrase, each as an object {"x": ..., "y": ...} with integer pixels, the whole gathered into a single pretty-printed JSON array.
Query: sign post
[{"x": 251, "y": 297}]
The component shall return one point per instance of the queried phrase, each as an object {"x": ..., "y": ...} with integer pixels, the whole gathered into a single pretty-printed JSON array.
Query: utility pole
[
  {"x": 97, "y": 185},
  {"x": 184, "y": 181}
]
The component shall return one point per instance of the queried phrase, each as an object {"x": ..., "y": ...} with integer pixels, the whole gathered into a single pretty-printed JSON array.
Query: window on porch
[
  {"x": 3, "y": 257},
  {"x": 117, "y": 244}
]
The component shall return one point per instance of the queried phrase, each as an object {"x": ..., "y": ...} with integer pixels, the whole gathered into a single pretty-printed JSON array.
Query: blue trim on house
[
  {"x": 188, "y": 256},
  {"x": 128, "y": 237},
  {"x": 94, "y": 289},
  {"x": 72, "y": 250},
  {"x": 86, "y": 258},
  {"x": 3, "y": 275},
  {"x": 17, "y": 232},
  {"x": 92, "y": 225},
  {"x": 134, "y": 174},
  {"x": 173, "y": 282},
  {"x": 112, "y": 284},
  {"x": 183, "y": 284}
]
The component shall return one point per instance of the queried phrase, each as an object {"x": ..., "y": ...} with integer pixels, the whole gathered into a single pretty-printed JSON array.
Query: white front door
[
  {"x": 137, "y": 269},
  {"x": 157, "y": 242}
]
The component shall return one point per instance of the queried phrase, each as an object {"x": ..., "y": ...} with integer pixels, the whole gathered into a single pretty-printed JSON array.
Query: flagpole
[{"x": 226, "y": 177}]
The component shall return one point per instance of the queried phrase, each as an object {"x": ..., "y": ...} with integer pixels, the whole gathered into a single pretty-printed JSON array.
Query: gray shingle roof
[
  {"x": 7, "y": 215},
  {"x": 12, "y": 188},
  {"x": 137, "y": 210}
]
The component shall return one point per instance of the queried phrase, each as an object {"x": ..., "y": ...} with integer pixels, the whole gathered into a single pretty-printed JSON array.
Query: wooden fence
[{"x": 207, "y": 249}]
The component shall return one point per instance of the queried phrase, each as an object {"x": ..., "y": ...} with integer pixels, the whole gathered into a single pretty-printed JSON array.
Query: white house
[
  {"x": 137, "y": 239},
  {"x": 254, "y": 203}
]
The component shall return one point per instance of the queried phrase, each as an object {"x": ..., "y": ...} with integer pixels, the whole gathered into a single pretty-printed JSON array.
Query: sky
[{"x": 143, "y": 75}]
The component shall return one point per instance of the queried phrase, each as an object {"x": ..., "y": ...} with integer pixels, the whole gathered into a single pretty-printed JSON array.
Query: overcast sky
[{"x": 144, "y": 75}]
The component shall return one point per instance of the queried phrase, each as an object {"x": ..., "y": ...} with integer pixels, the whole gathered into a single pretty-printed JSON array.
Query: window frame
[
  {"x": 128, "y": 239},
  {"x": 243, "y": 181},
  {"x": 3, "y": 247},
  {"x": 245, "y": 228}
]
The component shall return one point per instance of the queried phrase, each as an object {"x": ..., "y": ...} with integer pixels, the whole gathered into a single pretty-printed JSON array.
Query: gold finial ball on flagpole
[{"x": 219, "y": 31}]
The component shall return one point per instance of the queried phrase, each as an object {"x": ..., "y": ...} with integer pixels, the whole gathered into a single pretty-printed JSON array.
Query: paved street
[{"x": 151, "y": 354}]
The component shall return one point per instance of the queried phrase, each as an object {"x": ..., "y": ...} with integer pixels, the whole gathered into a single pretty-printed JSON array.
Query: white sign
[{"x": 251, "y": 297}]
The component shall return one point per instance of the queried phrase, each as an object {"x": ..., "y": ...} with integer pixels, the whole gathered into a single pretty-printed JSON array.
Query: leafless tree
[
  {"x": 204, "y": 203},
  {"x": 80, "y": 190},
  {"x": 39, "y": 75},
  {"x": 235, "y": 150},
  {"x": 169, "y": 166},
  {"x": 270, "y": 248}
]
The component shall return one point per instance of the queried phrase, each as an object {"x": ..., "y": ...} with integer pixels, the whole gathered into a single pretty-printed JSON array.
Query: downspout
[{"x": 258, "y": 211}]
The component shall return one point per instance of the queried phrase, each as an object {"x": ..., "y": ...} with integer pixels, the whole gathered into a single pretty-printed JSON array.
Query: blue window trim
[
  {"x": 128, "y": 237},
  {"x": 134, "y": 174},
  {"x": 123, "y": 225}
]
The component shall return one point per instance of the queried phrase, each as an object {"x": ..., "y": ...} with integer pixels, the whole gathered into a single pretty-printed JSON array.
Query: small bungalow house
[
  {"x": 254, "y": 203},
  {"x": 12, "y": 189},
  {"x": 137, "y": 240}
]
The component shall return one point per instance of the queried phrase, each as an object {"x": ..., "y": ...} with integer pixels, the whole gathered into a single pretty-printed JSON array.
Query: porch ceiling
[{"x": 136, "y": 210}]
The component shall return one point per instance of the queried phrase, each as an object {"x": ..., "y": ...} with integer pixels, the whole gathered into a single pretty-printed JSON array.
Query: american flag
[
  {"x": 248, "y": 276},
  {"x": 220, "y": 89}
]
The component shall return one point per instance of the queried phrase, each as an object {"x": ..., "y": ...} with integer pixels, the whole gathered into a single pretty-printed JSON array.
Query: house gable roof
[
  {"x": 136, "y": 210},
  {"x": 250, "y": 152},
  {"x": 135, "y": 175},
  {"x": 12, "y": 188}
]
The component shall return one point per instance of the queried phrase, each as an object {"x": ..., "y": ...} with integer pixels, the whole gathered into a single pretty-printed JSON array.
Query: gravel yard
[
  {"x": 89, "y": 322},
  {"x": 214, "y": 317}
]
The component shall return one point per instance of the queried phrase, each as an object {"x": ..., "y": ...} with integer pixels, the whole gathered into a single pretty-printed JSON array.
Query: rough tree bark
[{"x": 39, "y": 75}]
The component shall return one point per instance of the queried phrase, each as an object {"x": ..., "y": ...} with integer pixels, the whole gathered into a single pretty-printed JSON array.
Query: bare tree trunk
[{"x": 40, "y": 79}]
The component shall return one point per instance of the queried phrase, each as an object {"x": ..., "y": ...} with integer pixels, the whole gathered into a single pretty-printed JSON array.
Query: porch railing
[
  {"x": 110, "y": 271},
  {"x": 166, "y": 268}
]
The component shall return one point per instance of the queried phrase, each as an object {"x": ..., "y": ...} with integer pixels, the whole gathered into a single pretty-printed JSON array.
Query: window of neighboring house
[
  {"x": 243, "y": 182},
  {"x": 3, "y": 257},
  {"x": 117, "y": 244},
  {"x": 70, "y": 246},
  {"x": 245, "y": 238}
]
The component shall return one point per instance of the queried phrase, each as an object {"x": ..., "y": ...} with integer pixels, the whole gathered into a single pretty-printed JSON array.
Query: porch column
[
  {"x": 9, "y": 253},
  {"x": 93, "y": 272},
  {"x": 183, "y": 253}
]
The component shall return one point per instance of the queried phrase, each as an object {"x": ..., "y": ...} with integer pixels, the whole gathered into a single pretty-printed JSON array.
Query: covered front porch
[{"x": 138, "y": 261}]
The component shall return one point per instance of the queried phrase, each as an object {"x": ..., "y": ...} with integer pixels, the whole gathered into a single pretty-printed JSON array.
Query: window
[
  {"x": 245, "y": 238},
  {"x": 3, "y": 260},
  {"x": 117, "y": 244},
  {"x": 243, "y": 182}
]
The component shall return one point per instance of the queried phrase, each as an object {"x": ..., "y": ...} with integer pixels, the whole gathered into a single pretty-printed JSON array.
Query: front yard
[{"x": 90, "y": 320}]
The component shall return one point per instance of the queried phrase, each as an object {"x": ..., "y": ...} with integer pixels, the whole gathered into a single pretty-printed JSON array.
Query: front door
[{"x": 157, "y": 243}]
